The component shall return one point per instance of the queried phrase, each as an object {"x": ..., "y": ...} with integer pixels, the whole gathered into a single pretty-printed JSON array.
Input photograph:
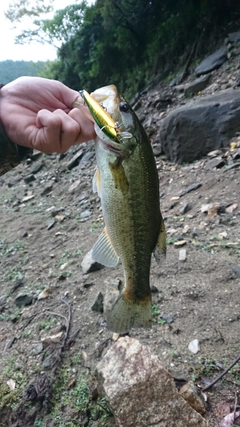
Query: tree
[{"x": 56, "y": 30}]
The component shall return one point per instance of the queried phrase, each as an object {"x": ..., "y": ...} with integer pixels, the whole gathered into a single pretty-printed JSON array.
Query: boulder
[
  {"x": 202, "y": 125},
  {"x": 195, "y": 86},
  {"x": 212, "y": 62},
  {"x": 140, "y": 391}
]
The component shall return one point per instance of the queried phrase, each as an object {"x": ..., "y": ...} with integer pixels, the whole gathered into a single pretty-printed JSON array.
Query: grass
[
  {"x": 47, "y": 324},
  {"x": 10, "y": 397},
  {"x": 156, "y": 315},
  {"x": 12, "y": 316},
  {"x": 77, "y": 399},
  {"x": 69, "y": 255},
  {"x": 6, "y": 248},
  {"x": 171, "y": 240},
  {"x": 206, "y": 368},
  {"x": 96, "y": 225}
]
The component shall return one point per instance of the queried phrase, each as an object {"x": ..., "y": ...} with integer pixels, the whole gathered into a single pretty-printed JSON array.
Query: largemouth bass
[{"x": 126, "y": 180}]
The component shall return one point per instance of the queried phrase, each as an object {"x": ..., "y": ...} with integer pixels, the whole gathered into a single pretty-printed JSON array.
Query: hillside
[
  {"x": 50, "y": 220},
  {"x": 11, "y": 70}
]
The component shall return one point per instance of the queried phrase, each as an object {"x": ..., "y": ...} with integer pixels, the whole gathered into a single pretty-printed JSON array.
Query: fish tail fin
[{"x": 127, "y": 314}]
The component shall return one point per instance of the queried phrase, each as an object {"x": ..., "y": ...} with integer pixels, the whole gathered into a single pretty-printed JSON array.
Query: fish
[{"x": 126, "y": 180}]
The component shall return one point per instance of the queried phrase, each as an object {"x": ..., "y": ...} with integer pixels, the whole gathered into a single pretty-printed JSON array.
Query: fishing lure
[{"x": 105, "y": 122}]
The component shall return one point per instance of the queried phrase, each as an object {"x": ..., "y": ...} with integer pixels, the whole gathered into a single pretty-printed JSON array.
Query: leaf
[{"x": 229, "y": 420}]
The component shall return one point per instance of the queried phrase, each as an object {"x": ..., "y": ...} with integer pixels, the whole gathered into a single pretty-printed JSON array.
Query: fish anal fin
[
  {"x": 104, "y": 252},
  {"x": 127, "y": 314},
  {"x": 161, "y": 247}
]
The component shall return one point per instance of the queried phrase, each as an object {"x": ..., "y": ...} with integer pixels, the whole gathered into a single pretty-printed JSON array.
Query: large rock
[
  {"x": 212, "y": 62},
  {"x": 140, "y": 391},
  {"x": 200, "y": 126},
  {"x": 195, "y": 86}
]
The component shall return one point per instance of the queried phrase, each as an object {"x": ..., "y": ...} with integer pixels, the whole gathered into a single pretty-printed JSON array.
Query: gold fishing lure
[{"x": 105, "y": 122}]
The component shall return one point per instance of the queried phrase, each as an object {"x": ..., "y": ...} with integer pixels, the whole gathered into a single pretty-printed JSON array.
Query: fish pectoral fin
[
  {"x": 161, "y": 247},
  {"x": 96, "y": 182},
  {"x": 104, "y": 252},
  {"x": 127, "y": 314}
]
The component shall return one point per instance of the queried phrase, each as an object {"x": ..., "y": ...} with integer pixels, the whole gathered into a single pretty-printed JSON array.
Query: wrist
[
  {"x": 1, "y": 86},
  {"x": 10, "y": 153}
]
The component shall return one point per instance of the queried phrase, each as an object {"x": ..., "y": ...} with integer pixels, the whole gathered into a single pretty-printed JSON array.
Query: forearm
[{"x": 10, "y": 153}]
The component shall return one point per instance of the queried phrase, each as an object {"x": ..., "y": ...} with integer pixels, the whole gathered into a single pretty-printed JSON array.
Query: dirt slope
[{"x": 51, "y": 339}]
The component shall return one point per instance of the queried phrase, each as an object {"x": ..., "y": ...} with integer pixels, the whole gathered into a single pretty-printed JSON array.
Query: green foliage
[
  {"x": 128, "y": 42},
  {"x": 10, "y": 397},
  {"x": 156, "y": 315},
  {"x": 77, "y": 398}
]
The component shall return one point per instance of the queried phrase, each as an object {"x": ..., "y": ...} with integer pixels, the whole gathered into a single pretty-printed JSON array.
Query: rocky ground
[{"x": 52, "y": 313}]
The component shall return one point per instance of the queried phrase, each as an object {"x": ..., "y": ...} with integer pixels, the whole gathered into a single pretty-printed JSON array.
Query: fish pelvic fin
[
  {"x": 161, "y": 247},
  {"x": 127, "y": 314},
  {"x": 104, "y": 252},
  {"x": 96, "y": 183}
]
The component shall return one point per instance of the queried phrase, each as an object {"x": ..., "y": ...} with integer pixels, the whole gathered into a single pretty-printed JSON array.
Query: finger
[
  {"x": 78, "y": 104},
  {"x": 57, "y": 131},
  {"x": 86, "y": 122}
]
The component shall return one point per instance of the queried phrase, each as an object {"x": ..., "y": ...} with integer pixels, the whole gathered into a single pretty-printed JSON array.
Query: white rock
[
  {"x": 193, "y": 346},
  {"x": 182, "y": 256}
]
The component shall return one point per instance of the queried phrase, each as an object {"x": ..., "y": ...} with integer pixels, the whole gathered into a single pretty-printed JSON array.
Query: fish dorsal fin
[
  {"x": 161, "y": 247},
  {"x": 96, "y": 183},
  {"x": 104, "y": 252}
]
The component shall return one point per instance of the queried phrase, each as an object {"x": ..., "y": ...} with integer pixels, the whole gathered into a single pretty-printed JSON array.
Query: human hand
[{"x": 37, "y": 113}]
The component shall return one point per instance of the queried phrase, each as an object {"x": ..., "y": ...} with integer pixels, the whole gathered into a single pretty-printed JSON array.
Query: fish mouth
[
  {"x": 113, "y": 149},
  {"x": 110, "y": 145}
]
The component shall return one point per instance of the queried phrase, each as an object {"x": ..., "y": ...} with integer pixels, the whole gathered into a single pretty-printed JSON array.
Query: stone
[
  {"x": 213, "y": 120},
  {"x": 231, "y": 208},
  {"x": 86, "y": 213},
  {"x": 236, "y": 269},
  {"x": 98, "y": 303},
  {"x": 195, "y": 86},
  {"x": 140, "y": 391},
  {"x": 29, "y": 178},
  {"x": 182, "y": 256},
  {"x": 179, "y": 243},
  {"x": 75, "y": 160},
  {"x": 212, "y": 62},
  {"x": 46, "y": 190},
  {"x": 234, "y": 37},
  {"x": 51, "y": 224},
  {"x": 190, "y": 393},
  {"x": 216, "y": 162},
  {"x": 86, "y": 157},
  {"x": 44, "y": 294},
  {"x": 36, "y": 349},
  {"x": 193, "y": 346},
  {"x": 111, "y": 295},
  {"x": 190, "y": 188},
  {"x": 184, "y": 208},
  {"x": 89, "y": 264},
  {"x": 37, "y": 167},
  {"x": 74, "y": 186},
  {"x": 27, "y": 198},
  {"x": 22, "y": 300},
  {"x": 215, "y": 153},
  {"x": 13, "y": 182}
]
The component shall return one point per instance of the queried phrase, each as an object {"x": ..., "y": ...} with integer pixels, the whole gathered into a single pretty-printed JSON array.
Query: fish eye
[{"x": 124, "y": 107}]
